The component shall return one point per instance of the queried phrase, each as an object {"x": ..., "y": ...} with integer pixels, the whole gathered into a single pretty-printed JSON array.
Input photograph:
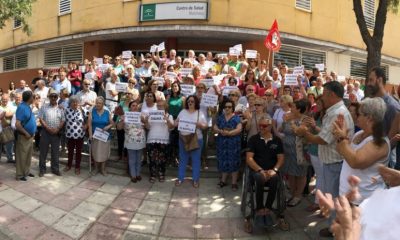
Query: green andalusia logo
[{"x": 148, "y": 12}]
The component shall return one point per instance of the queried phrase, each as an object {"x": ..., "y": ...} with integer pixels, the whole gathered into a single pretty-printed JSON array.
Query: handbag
[
  {"x": 7, "y": 135},
  {"x": 190, "y": 141}
]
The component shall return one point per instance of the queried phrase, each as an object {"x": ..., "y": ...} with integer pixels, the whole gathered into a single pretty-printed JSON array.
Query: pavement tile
[
  {"x": 213, "y": 228},
  {"x": 178, "y": 228},
  {"x": 182, "y": 210},
  {"x": 41, "y": 194},
  {"x": 72, "y": 225},
  {"x": 90, "y": 184},
  {"x": 101, "y": 198},
  {"x": 126, "y": 203},
  {"x": 153, "y": 208},
  {"x": 10, "y": 195},
  {"x": 88, "y": 210},
  {"x": 139, "y": 193},
  {"x": 214, "y": 210},
  {"x": 237, "y": 228},
  {"x": 65, "y": 202},
  {"x": 72, "y": 179},
  {"x": 9, "y": 215},
  {"x": 79, "y": 192},
  {"x": 137, "y": 236},
  {"x": 111, "y": 188},
  {"x": 159, "y": 196},
  {"x": 102, "y": 232},
  {"x": 178, "y": 197},
  {"x": 48, "y": 214},
  {"x": 142, "y": 223},
  {"x": 27, "y": 228},
  {"x": 26, "y": 204},
  {"x": 51, "y": 234},
  {"x": 56, "y": 185},
  {"x": 116, "y": 218},
  {"x": 3, "y": 187},
  {"x": 119, "y": 180}
]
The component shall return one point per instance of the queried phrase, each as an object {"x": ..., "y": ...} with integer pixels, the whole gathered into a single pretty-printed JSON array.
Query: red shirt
[{"x": 75, "y": 74}]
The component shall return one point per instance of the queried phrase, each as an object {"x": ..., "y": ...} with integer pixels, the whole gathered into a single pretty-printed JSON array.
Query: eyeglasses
[
  {"x": 154, "y": 71},
  {"x": 149, "y": 96},
  {"x": 261, "y": 125},
  {"x": 160, "y": 106},
  {"x": 268, "y": 95},
  {"x": 232, "y": 95},
  {"x": 154, "y": 84},
  {"x": 286, "y": 90},
  {"x": 190, "y": 101},
  {"x": 53, "y": 96},
  {"x": 232, "y": 83},
  {"x": 250, "y": 90},
  {"x": 86, "y": 84},
  {"x": 258, "y": 105},
  {"x": 228, "y": 106},
  {"x": 199, "y": 87}
]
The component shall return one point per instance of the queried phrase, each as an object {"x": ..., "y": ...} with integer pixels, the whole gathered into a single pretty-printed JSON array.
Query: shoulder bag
[{"x": 190, "y": 141}]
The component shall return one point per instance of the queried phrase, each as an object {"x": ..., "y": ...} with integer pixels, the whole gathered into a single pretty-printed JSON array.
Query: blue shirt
[{"x": 25, "y": 116}]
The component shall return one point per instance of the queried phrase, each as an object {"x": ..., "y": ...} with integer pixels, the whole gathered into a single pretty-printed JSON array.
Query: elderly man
[
  {"x": 87, "y": 97},
  {"x": 9, "y": 111},
  {"x": 22, "y": 87},
  {"x": 52, "y": 119},
  {"x": 26, "y": 128},
  {"x": 42, "y": 91},
  {"x": 63, "y": 82},
  {"x": 39, "y": 76}
]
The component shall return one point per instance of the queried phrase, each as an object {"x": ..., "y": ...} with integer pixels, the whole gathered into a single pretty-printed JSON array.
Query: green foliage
[
  {"x": 393, "y": 5},
  {"x": 18, "y": 10}
]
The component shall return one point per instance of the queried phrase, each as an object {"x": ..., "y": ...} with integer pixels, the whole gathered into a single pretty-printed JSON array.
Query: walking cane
[{"x": 90, "y": 156}]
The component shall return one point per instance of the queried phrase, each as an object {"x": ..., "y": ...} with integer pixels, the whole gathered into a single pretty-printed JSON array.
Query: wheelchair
[{"x": 248, "y": 204}]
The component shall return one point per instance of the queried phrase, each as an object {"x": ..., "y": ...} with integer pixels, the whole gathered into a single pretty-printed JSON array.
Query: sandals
[
  {"x": 152, "y": 179},
  {"x": 178, "y": 183},
  {"x": 161, "y": 179},
  {"x": 235, "y": 187},
  {"x": 221, "y": 184},
  {"x": 196, "y": 184},
  {"x": 77, "y": 171}
]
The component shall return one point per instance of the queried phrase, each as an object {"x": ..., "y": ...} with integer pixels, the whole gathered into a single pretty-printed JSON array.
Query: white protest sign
[
  {"x": 341, "y": 78},
  {"x": 103, "y": 67},
  {"x": 320, "y": 66},
  {"x": 121, "y": 86},
  {"x": 251, "y": 53},
  {"x": 209, "y": 100},
  {"x": 186, "y": 71},
  {"x": 234, "y": 51},
  {"x": 126, "y": 54},
  {"x": 186, "y": 126},
  {"x": 156, "y": 116},
  {"x": 219, "y": 78},
  {"x": 127, "y": 62},
  {"x": 101, "y": 135},
  {"x": 82, "y": 69},
  {"x": 160, "y": 81},
  {"x": 209, "y": 82},
  {"x": 187, "y": 89},
  {"x": 153, "y": 48},
  {"x": 222, "y": 55},
  {"x": 203, "y": 71},
  {"x": 228, "y": 89},
  {"x": 161, "y": 47},
  {"x": 132, "y": 117},
  {"x": 99, "y": 61},
  {"x": 170, "y": 74},
  {"x": 210, "y": 64},
  {"x": 291, "y": 80},
  {"x": 239, "y": 47},
  {"x": 298, "y": 70}
]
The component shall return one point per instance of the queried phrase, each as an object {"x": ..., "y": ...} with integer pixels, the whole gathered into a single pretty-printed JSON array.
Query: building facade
[{"x": 312, "y": 32}]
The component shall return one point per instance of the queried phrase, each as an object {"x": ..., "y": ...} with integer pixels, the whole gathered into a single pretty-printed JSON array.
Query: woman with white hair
[{"x": 366, "y": 150}]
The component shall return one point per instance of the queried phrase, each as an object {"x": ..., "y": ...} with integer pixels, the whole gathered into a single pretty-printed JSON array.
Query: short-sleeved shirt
[
  {"x": 392, "y": 108},
  {"x": 74, "y": 123},
  {"x": 265, "y": 153},
  {"x": 328, "y": 153},
  {"x": 52, "y": 115},
  {"x": 25, "y": 116},
  {"x": 196, "y": 116}
]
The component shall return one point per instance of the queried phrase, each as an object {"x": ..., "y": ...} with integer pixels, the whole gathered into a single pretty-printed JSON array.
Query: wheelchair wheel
[
  {"x": 281, "y": 196},
  {"x": 247, "y": 204}
]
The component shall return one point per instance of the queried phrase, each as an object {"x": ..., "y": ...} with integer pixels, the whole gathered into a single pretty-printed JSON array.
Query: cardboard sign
[
  {"x": 291, "y": 80},
  {"x": 132, "y": 118},
  {"x": 298, "y": 70},
  {"x": 187, "y": 89},
  {"x": 161, "y": 47},
  {"x": 209, "y": 100},
  {"x": 153, "y": 48},
  {"x": 234, "y": 52},
  {"x": 186, "y": 71},
  {"x": 228, "y": 89},
  {"x": 171, "y": 74},
  {"x": 251, "y": 54},
  {"x": 209, "y": 82},
  {"x": 186, "y": 126},
  {"x": 156, "y": 116},
  {"x": 99, "y": 61},
  {"x": 321, "y": 66},
  {"x": 101, "y": 135},
  {"x": 121, "y": 87},
  {"x": 239, "y": 47},
  {"x": 127, "y": 54}
]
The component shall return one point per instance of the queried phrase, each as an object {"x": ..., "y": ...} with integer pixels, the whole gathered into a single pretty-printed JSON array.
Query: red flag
[{"x": 273, "y": 39}]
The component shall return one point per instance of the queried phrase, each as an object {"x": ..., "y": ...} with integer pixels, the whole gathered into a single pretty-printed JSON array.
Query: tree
[{"x": 16, "y": 10}]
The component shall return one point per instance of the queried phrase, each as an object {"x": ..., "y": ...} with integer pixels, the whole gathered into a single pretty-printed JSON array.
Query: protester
[{"x": 7, "y": 112}]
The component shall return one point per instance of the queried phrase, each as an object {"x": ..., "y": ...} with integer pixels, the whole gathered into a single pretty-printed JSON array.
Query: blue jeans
[
  {"x": 331, "y": 180},
  {"x": 135, "y": 158},
  {"x": 195, "y": 155},
  {"x": 9, "y": 147}
]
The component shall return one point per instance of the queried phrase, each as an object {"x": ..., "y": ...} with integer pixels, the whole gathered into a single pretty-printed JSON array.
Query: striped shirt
[
  {"x": 52, "y": 115},
  {"x": 327, "y": 153}
]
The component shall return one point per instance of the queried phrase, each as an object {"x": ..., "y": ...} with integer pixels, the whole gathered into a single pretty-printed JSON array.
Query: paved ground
[{"x": 112, "y": 207}]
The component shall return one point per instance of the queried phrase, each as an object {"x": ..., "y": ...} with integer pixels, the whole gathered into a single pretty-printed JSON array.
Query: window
[
  {"x": 65, "y": 6},
  {"x": 358, "y": 68},
  {"x": 295, "y": 56},
  {"x": 369, "y": 13},
  {"x": 63, "y": 55},
  {"x": 17, "y": 23},
  {"x": 16, "y": 61},
  {"x": 304, "y": 5}
]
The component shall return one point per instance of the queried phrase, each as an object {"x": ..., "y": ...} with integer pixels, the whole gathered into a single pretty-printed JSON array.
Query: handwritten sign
[
  {"x": 222, "y": 55},
  {"x": 103, "y": 67},
  {"x": 209, "y": 82},
  {"x": 161, "y": 47},
  {"x": 239, "y": 47},
  {"x": 234, "y": 52},
  {"x": 219, "y": 78},
  {"x": 186, "y": 71},
  {"x": 341, "y": 78},
  {"x": 251, "y": 53},
  {"x": 160, "y": 81},
  {"x": 98, "y": 61},
  {"x": 228, "y": 89},
  {"x": 126, "y": 54},
  {"x": 101, "y": 135},
  {"x": 320, "y": 66},
  {"x": 298, "y": 70},
  {"x": 153, "y": 48},
  {"x": 291, "y": 80},
  {"x": 156, "y": 116},
  {"x": 186, "y": 126},
  {"x": 170, "y": 74},
  {"x": 121, "y": 87},
  {"x": 209, "y": 100},
  {"x": 132, "y": 117},
  {"x": 187, "y": 89}
]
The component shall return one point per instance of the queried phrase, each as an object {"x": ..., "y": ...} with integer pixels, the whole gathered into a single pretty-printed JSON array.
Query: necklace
[{"x": 359, "y": 138}]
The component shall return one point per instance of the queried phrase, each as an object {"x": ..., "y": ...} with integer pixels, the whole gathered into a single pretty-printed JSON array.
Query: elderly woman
[
  {"x": 228, "y": 128},
  {"x": 153, "y": 86},
  {"x": 285, "y": 103},
  {"x": 102, "y": 119},
  {"x": 192, "y": 115},
  {"x": 366, "y": 150},
  {"x": 135, "y": 142},
  {"x": 123, "y": 106},
  {"x": 75, "y": 128},
  {"x": 253, "y": 117},
  {"x": 157, "y": 142},
  {"x": 111, "y": 92}
]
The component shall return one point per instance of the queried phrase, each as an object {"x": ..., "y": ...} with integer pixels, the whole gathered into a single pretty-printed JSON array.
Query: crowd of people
[{"x": 166, "y": 110}]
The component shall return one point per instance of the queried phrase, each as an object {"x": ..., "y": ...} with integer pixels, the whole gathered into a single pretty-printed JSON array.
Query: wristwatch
[{"x": 275, "y": 170}]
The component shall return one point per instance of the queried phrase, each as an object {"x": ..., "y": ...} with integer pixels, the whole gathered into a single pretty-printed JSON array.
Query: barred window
[
  {"x": 16, "y": 61},
  {"x": 303, "y": 5},
  {"x": 369, "y": 13},
  {"x": 295, "y": 56},
  {"x": 63, "y": 55},
  {"x": 17, "y": 23},
  {"x": 358, "y": 68},
  {"x": 65, "y": 6}
]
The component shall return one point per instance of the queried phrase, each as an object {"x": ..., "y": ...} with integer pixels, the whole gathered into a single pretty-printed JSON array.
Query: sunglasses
[
  {"x": 53, "y": 96},
  {"x": 86, "y": 84},
  {"x": 258, "y": 105},
  {"x": 261, "y": 125},
  {"x": 232, "y": 95},
  {"x": 149, "y": 96},
  {"x": 154, "y": 84},
  {"x": 268, "y": 95}
]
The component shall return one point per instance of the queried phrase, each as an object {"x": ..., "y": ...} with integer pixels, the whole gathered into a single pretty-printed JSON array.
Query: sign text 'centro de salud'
[{"x": 174, "y": 11}]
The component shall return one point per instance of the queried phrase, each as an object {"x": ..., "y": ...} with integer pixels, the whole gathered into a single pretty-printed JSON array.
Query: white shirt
[
  {"x": 21, "y": 90},
  {"x": 110, "y": 87},
  {"x": 84, "y": 97},
  {"x": 278, "y": 117},
  {"x": 159, "y": 132},
  {"x": 43, "y": 94},
  {"x": 192, "y": 117},
  {"x": 66, "y": 84}
]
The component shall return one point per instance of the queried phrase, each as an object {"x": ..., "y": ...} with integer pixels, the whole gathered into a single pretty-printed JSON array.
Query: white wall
[
  {"x": 338, "y": 63},
  {"x": 394, "y": 74},
  {"x": 36, "y": 58},
  {"x": 1, "y": 65}
]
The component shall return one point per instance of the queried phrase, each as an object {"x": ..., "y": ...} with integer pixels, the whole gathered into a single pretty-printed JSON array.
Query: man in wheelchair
[{"x": 265, "y": 158}]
